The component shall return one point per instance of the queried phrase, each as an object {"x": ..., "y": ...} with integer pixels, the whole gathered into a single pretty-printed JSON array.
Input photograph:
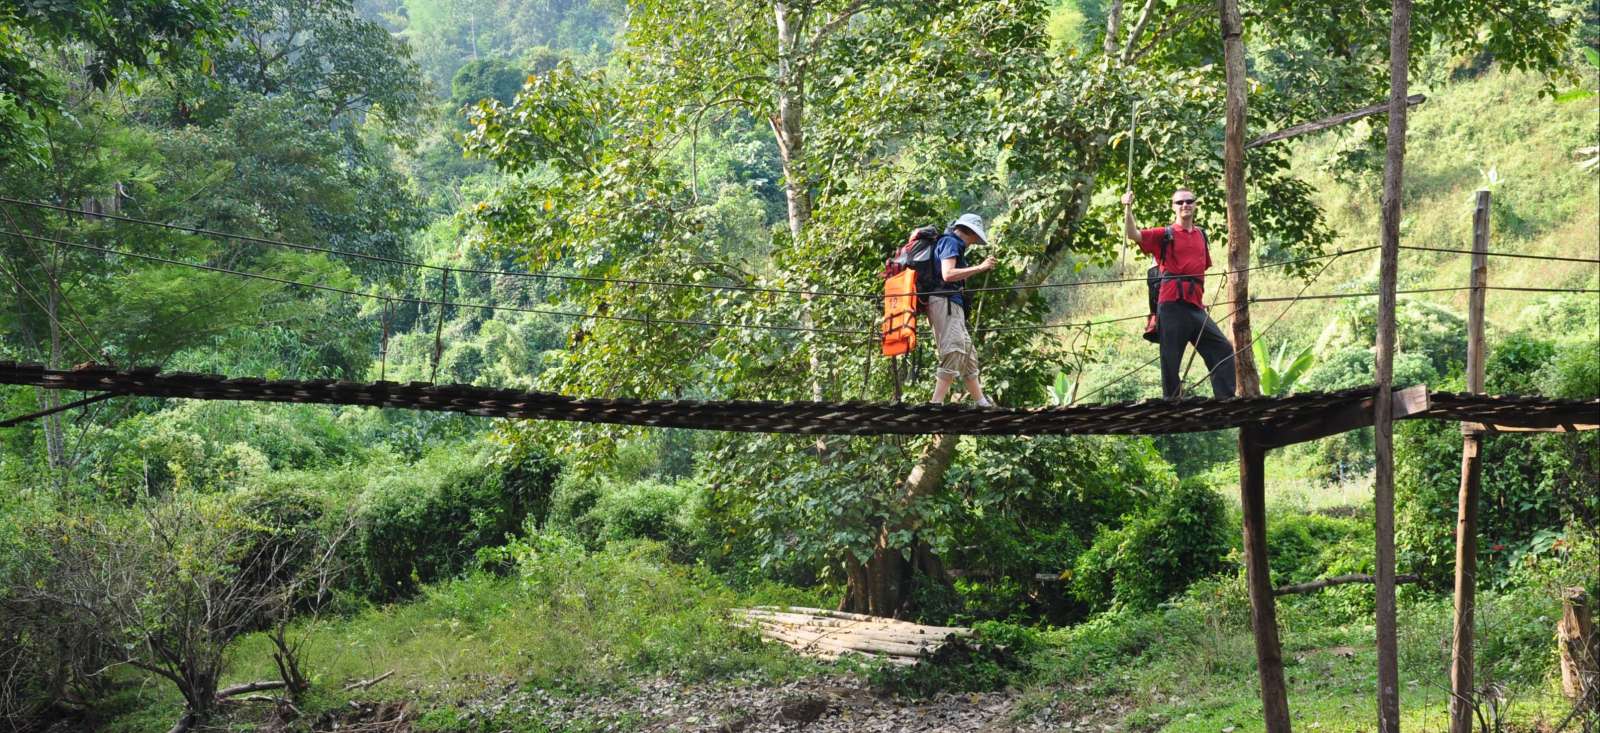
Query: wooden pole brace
[{"x": 1327, "y": 122}]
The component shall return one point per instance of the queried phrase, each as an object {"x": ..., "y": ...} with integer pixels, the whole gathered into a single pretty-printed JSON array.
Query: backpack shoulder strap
[{"x": 1166, "y": 247}]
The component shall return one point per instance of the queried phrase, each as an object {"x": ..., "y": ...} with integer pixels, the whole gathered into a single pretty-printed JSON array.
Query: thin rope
[
  {"x": 424, "y": 301},
  {"x": 1221, "y": 273},
  {"x": 617, "y": 281}
]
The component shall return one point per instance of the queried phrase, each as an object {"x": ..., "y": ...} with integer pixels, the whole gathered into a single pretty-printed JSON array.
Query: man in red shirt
[{"x": 1180, "y": 310}]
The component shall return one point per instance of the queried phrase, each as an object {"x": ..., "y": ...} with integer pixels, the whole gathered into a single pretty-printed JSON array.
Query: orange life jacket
[{"x": 900, "y": 313}]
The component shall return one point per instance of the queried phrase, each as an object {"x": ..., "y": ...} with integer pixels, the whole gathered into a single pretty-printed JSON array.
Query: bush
[
  {"x": 1572, "y": 371},
  {"x": 1305, "y": 547},
  {"x": 1532, "y": 485},
  {"x": 426, "y": 521},
  {"x": 1160, "y": 551},
  {"x": 1514, "y": 364}
]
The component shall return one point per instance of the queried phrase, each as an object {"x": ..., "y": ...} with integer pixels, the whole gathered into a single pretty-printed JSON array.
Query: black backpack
[
  {"x": 917, "y": 255},
  {"x": 1154, "y": 276}
]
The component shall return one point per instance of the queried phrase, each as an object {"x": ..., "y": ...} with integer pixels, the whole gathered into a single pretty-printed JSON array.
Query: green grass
[
  {"x": 1190, "y": 668},
  {"x": 567, "y": 621}
]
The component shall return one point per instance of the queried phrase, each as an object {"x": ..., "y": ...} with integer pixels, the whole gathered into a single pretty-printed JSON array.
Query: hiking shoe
[{"x": 984, "y": 402}]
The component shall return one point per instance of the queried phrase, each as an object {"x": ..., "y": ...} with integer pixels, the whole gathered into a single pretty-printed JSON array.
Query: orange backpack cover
[{"x": 900, "y": 313}]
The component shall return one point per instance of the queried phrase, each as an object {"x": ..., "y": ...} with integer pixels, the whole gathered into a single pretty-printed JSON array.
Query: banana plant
[
  {"x": 1279, "y": 374},
  {"x": 1065, "y": 390}
]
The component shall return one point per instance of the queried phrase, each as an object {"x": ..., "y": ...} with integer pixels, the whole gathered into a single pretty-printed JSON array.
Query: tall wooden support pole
[
  {"x": 1247, "y": 380},
  {"x": 1252, "y": 455},
  {"x": 1263, "y": 609},
  {"x": 1471, "y": 477},
  {"x": 1383, "y": 423}
]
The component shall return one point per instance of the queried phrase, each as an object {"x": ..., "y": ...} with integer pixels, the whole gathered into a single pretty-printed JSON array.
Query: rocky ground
[{"x": 815, "y": 705}]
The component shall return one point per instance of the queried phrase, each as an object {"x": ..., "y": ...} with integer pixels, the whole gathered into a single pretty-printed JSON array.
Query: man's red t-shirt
[{"x": 1187, "y": 256}]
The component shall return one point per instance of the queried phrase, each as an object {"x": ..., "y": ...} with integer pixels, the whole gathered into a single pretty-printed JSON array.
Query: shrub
[
  {"x": 1160, "y": 550},
  {"x": 1572, "y": 371},
  {"x": 1514, "y": 364},
  {"x": 1531, "y": 484},
  {"x": 426, "y": 521},
  {"x": 597, "y": 510},
  {"x": 646, "y": 509},
  {"x": 1305, "y": 547}
]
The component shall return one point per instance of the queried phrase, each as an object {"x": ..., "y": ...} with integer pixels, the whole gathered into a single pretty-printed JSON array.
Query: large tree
[{"x": 884, "y": 115}]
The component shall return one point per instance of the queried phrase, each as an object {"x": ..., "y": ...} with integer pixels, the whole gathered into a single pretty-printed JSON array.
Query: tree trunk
[
  {"x": 881, "y": 585},
  {"x": 1113, "y": 27},
  {"x": 789, "y": 129}
]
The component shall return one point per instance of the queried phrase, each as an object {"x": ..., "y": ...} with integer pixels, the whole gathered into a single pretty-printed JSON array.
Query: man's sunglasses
[{"x": 1181, "y": 202}]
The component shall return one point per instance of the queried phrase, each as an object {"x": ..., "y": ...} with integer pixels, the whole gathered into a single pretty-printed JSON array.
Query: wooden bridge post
[
  {"x": 1263, "y": 608},
  {"x": 1461, "y": 692},
  {"x": 1388, "y": 697},
  {"x": 1252, "y": 451}
]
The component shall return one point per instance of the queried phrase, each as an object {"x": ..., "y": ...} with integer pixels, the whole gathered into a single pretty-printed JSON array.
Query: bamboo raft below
[{"x": 828, "y": 634}]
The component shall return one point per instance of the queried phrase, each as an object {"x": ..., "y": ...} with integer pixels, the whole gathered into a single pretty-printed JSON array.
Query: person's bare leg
[
  {"x": 941, "y": 387},
  {"x": 976, "y": 390}
]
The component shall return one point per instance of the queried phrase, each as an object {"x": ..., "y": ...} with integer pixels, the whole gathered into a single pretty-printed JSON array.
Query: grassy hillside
[{"x": 1494, "y": 132}]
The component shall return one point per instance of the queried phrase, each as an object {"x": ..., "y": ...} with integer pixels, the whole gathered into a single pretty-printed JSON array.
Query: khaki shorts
[{"x": 957, "y": 358}]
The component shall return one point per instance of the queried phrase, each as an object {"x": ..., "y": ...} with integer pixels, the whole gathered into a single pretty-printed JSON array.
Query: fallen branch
[
  {"x": 364, "y": 684},
  {"x": 227, "y": 692},
  {"x": 1319, "y": 584}
]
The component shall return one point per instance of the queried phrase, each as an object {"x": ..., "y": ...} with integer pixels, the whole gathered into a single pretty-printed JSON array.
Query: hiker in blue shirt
[{"x": 947, "y": 309}]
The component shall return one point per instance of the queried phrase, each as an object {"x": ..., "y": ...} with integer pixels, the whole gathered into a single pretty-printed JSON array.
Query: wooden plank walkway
[
  {"x": 832, "y": 634},
  {"x": 827, "y": 418}
]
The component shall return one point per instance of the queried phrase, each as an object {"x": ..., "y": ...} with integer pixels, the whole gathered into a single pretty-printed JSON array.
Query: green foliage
[
  {"x": 335, "y": 66},
  {"x": 1572, "y": 371},
  {"x": 425, "y": 522},
  {"x": 480, "y": 80},
  {"x": 1279, "y": 374},
  {"x": 108, "y": 40},
  {"x": 1533, "y": 486},
  {"x": 1306, "y": 547},
  {"x": 601, "y": 510},
  {"x": 447, "y": 34},
  {"x": 1422, "y": 330},
  {"x": 1157, "y": 553},
  {"x": 1514, "y": 363}
]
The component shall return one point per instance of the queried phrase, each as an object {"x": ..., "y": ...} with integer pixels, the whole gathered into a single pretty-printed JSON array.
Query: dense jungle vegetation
[{"x": 428, "y": 155}]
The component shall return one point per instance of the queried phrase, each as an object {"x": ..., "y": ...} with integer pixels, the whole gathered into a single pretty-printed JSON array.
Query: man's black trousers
[{"x": 1181, "y": 323}]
